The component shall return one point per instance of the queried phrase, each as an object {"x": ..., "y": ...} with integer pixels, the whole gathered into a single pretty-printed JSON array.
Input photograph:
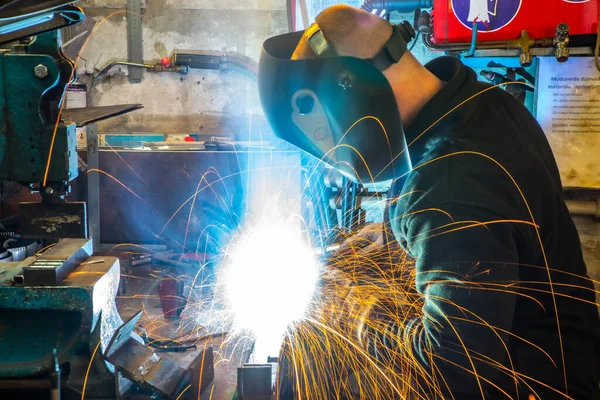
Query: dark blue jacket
[{"x": 509, "y": 307}]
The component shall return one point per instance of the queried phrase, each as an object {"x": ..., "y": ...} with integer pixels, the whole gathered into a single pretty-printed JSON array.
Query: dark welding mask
[{"x": 341, "y": 110}]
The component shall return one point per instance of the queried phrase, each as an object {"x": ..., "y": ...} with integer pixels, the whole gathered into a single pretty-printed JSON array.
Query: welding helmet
[{"x": 340, "y": 109}]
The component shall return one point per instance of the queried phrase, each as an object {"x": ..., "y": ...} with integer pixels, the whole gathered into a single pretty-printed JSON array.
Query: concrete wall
[{"x": 201, "y": 102}]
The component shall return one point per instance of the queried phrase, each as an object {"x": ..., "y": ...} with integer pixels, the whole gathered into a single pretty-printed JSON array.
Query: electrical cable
[
  {"x": 176, "y": 345},
  {"x": 415, "y": 40},
  {"x": 471, "y": 51}
]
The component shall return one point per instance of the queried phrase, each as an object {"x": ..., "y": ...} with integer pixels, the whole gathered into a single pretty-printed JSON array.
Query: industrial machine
[{"x": 57, "y": 308}]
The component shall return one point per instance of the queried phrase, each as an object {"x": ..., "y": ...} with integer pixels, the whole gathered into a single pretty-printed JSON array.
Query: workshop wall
[{"x": 201, "y": 102}]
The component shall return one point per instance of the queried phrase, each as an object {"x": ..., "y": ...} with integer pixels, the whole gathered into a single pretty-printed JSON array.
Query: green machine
[
  {"x": 57, "y": 309},
  {"x": 33, "y": 81},
  {"x": 50, "y": 317},
  {"x": 38, "y": 145}
]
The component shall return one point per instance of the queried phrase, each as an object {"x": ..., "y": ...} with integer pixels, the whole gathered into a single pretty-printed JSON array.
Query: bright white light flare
[{"x": 270, "y": 276}]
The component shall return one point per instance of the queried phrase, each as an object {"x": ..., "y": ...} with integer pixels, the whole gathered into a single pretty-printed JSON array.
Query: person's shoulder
[
  {"x": 453, "y": 173},
  {"x": 490, "y": 96}
]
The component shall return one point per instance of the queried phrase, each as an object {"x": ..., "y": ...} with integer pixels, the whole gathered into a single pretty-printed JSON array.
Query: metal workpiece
[
  {"x": 147, "y": 369},
  {"x": 201, "y": 372},
  {"x": 172, "y": 300},
  {"x": 56, "y": 263},
  {"x": 72, "y": 317},
  {"x": 255, "y": 382}
]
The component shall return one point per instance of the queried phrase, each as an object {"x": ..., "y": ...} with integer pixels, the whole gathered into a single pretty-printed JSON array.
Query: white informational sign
[
  {"x": 81, "y": 138},
  {"x": 76, "y": 96},
  {"x": 568, "y": 109}
]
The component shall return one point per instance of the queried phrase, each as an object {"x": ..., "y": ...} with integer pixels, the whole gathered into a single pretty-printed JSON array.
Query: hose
[
  {"x": 463, "y": 46},
  {"x": 243, "y": 62},
  {"x": 471, "y": 51},
  {"x": 396, "y": 5},
  {"x": 416, "y": 39}
]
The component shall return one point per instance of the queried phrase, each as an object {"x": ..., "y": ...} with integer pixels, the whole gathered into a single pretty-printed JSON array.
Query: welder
[{"x": 509, "y": 311}]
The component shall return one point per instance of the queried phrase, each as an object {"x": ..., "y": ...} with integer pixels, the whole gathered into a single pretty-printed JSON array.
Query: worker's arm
[{"x": 464, "y": 271}]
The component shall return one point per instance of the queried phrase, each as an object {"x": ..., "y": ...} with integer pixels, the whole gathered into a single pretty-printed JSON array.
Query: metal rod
[
  {"x": 396, "y": 5},
  {"x": 463, "y": 46},
  {"x": 93, "y": 186}
]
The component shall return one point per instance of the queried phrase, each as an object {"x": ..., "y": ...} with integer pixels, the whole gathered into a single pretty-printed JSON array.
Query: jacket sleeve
[{"x": 466, "y": 256}]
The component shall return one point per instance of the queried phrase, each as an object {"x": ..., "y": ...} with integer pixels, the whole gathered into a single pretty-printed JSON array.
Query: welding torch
[
  {"x": 163, "y": 66},
  {"x": 180, "y": 62}
]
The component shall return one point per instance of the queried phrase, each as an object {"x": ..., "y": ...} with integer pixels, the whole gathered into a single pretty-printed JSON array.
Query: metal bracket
[
  {"x": 135, "y": 52},
  {"x": 93, "y": 188},
  {"x": 255, "y": 382}
]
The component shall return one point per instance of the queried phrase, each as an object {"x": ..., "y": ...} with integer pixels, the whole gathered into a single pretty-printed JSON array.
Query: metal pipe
[
  {"x": 463, "y": 46},
  {"x": 396, "y": 5},
  {"x": 158, "y": 67},
  {"x": 584, "y": 207}
]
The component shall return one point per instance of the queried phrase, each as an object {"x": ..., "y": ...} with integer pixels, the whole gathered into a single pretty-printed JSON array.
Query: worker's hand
[{"x": 369, "y": 238}]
